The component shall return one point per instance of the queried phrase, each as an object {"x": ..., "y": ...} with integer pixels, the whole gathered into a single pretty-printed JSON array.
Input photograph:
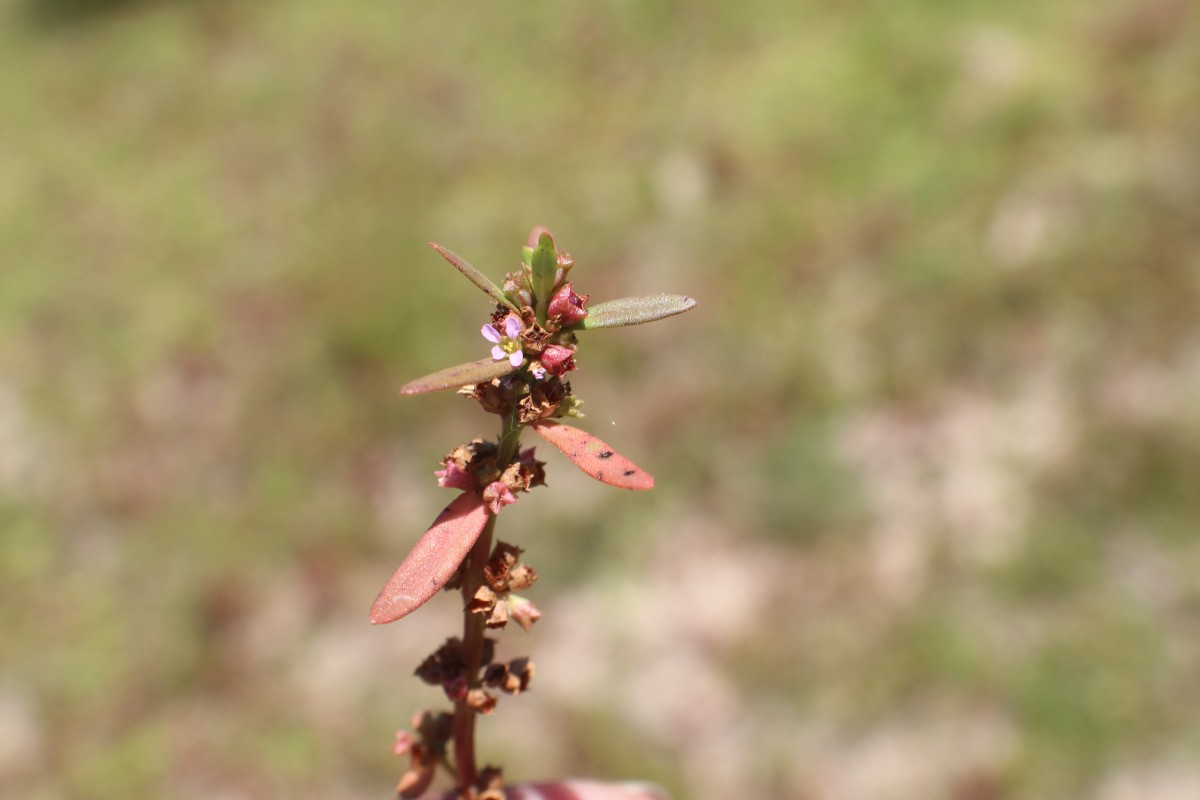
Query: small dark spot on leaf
[
  {"x": 628, "y": 472},
  {"x": 604, "y": 454}
]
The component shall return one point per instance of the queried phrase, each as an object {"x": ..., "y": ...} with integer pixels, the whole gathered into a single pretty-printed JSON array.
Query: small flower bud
[
  {"x": 481, "y": 701},
  {"x": 571, "y": 406},
  {"x": 500, "y": 563},
  {"x": 565, "y": 262},
  {"x": 534, "y": 234},
  {"x": 568, "y": 306},
  {"x": 455, "y": 688},
  {"x": 517, "y": 288},
  {"x": 558, "y": 359},
  {"x": 511, "y": 678},
  {"x": 490, "y": 783},
  {"x": 495, "y": 397},
  {"x": 542, "y": 400},
  {"x": 523, "y": 612},
  {"x": 414, "y": 782},
  {"x": 485, "y": 602},
  {"x": 404, "y": 743},
  {"x": 522, "y": 576},
  {"x": 497, "y": 496},
  {"x": 455, "y": 477}
]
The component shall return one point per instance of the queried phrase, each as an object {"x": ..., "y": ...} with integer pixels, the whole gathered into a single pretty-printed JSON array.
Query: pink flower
[{"x": 507, "y": 344}]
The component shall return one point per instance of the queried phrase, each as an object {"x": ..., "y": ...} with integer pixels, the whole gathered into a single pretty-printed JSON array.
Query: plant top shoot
[{"x": 532, "y": 338}]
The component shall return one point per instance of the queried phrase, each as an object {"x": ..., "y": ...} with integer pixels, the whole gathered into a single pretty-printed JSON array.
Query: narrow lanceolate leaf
[
  {"x": 462, "y": 375},
  {"x": 545, "y": 266},
  {"x": 594, "y": 457},
  {"x": 433, "y": 560},
  {"x": 475, "y": 276},
  {"x": 636, "y": 310}
]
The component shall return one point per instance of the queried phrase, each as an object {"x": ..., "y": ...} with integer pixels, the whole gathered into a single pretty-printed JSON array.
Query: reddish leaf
[
  {"x": 594, "y": 457},
  {"x": 433, "y": 560},
  {"x": 461, "y": 375}
]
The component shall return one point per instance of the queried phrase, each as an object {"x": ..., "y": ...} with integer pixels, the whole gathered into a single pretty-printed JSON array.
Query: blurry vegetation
[{"x": 926, "y": 452}]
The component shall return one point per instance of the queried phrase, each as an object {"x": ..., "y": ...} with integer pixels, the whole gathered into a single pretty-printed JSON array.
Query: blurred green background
[{"x": 928, "y": 452}]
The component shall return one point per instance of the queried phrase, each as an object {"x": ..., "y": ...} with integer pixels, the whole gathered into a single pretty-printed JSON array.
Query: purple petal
[
  {"x": 497, "y": 353},
  {"x": 516, "y": 359},
  {"x": 512, "y": 326},
  {"x": 538, "y": 372},
  {"x": 491, "y": 334}
]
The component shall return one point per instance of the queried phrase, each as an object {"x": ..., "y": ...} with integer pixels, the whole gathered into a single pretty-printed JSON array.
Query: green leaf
[
  {"x": 475, "y": 276},
  {"x": 545, "y": 266},
  {"x": 527, "y": 255},
  {"x": 462, "y": 375},
  {"x": 636, "y": 310}
]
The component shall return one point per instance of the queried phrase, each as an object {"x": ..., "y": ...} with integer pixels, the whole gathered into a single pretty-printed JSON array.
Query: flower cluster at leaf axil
[{"x": 533, "y": 337}]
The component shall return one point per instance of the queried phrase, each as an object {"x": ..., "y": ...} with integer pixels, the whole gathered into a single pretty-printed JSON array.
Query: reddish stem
[
  {"x": 473, "y": 624},
  {"x": 473, "y": 630}
]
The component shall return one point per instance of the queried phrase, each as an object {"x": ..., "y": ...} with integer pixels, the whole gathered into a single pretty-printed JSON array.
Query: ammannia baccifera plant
[{"x": 533, "y": 334}]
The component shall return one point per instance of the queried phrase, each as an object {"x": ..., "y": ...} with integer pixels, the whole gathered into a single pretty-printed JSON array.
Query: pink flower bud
[
  {"x": 532, "y": 239},
  {"x": 558, "y": 359},
  {"x": 416, "y": 781},
  {"x": 497, "y": 495},
  {"x": 568, "y": 306},
  {"x": 523, "y": 612},
  {"x": 456, "y": 688},
  {"x": 404, "y": 743},
  {"x": 455, "y": 477}
]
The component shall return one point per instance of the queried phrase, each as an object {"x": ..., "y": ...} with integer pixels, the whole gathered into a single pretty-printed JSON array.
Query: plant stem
[
  {"x": 473, "y": 624},
  {"x": 473, "y": 629},
  {"x": 510, "y": 437}
]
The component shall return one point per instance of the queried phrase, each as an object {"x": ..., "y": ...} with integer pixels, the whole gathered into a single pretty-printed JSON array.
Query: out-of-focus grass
[{"x": 925, "y": 524}]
